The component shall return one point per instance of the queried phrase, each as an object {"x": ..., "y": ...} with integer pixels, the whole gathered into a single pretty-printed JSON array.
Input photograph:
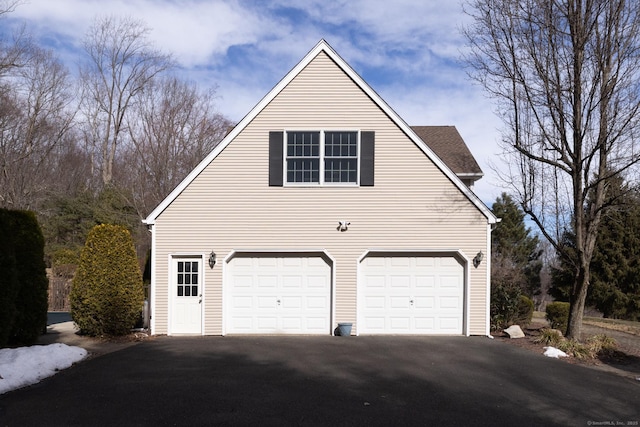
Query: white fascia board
[
  {"x": 322, "y": 46},
  {"x": 470, "y": 175}
]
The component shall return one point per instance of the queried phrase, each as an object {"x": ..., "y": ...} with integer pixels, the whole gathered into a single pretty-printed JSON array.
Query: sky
[{"x": 408, "y": 51}]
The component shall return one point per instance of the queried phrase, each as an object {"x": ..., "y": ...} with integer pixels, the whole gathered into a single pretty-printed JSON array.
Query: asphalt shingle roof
[{"x": 447, "y": 143}]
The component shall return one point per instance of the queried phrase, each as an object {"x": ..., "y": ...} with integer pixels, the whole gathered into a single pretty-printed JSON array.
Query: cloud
[
  {"x": 195, "y": 32},
  {"x": 204, "y": 31},
  {"x": 406, "y": 50},
  {"x": 404, "y": 35}
]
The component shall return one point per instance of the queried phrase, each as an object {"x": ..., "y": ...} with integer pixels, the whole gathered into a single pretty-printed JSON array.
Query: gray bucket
[{"x": 344, "y": 329}]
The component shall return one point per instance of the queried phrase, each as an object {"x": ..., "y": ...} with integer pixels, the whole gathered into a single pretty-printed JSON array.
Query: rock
[
  {"x": 514, "y": 331},
  {"x": 554, "y": 352}
]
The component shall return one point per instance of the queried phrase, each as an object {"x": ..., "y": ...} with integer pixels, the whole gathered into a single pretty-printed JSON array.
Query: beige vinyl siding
[{"x": 229, "y": 206}]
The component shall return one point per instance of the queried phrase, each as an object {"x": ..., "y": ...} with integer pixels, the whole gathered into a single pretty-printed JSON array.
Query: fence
[{"x": 60, "y": 287}]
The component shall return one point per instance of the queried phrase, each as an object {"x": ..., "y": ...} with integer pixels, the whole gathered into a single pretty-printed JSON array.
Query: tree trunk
[
  {"x": 578, "y": 298},
  {"x": 107, "y": 174}
]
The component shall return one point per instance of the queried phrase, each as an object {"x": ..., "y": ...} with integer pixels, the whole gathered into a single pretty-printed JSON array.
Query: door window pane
[{"x": 187, "y": 278}]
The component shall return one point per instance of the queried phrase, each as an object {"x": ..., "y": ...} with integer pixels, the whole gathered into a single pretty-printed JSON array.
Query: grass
[
  {"x": 627, "y": 326},
  {"x": 539, "y": 315}
]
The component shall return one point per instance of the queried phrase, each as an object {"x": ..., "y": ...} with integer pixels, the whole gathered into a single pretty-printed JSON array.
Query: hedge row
[{"x": 23, "y": 282}]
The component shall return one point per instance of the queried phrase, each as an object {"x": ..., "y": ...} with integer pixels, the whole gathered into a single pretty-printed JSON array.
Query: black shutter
[
  {"x": 275, "y": 158},
  {"x": 367, "y": 150}
]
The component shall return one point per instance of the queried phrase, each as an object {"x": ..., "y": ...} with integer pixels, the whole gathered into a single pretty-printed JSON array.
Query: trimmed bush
[
  {"x": 107, "y": 292},
  {"x": 557, "y": 314},
  {"x": 525, "y": 311},
  {"x": 23, "y": 282},
  {"x": 9, "y": 285},
  {"x": 32, "y": 299}
]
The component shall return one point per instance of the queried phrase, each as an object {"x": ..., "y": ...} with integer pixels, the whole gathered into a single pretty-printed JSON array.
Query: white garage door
[
  {"x": 278, "y": 295},
  {"x": 411, "y": 295}
]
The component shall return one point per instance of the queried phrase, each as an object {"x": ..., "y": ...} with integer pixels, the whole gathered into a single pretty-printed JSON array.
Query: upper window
[
  {"x": 322, "y": 157},
  {"x": 303, "y": 156}
]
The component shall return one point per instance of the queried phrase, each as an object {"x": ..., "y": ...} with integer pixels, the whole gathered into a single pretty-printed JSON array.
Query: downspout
[
  {"x": 152, "y": 286},
  {"x": 490, "y": 228}
]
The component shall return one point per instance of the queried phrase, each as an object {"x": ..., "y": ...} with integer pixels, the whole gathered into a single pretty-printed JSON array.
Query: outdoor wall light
[
  {"x": 478, "y": 259},
  {"x": 212, "y": 259},
  {"x": 343, "y": 225}
]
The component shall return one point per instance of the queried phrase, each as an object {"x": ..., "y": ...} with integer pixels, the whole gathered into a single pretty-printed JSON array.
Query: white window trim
[{"x": 321, "y": 182}]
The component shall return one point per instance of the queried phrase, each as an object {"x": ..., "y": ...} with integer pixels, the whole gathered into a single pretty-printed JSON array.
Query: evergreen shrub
[
  {"x": 23, "y": 281},
  {"x": 32, "y": 298},
  {"x": 9, "y": 284},
  {"x": 557, "y": 314},
  {"x": 505, "y": 300},
  {"x": 107, "y": 292},
  {"x": 525, "y": 311},
  {"x": 64, "y": 262}
]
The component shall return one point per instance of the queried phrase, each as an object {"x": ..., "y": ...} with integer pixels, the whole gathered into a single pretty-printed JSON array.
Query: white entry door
[
  {"x": 278, "y": 295},
  {"x": 187, "y": 296},
  {"x": 411, "y": 295}
]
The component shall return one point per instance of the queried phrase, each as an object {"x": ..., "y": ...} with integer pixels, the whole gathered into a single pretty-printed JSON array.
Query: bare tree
[
  {"x": 70, "y": 167},
  {"x": 7, "y": 6},
  {"x": 121, "y": 62},
  {"x": 36, "y": 115},
  {"x": 13, "y": 52},
  {"x": 176, "y": 125},
  {"x": 566, "y": 77}
]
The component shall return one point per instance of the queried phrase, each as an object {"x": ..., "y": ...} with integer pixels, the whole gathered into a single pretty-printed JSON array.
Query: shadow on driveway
[{"x": 302, "y": 380}]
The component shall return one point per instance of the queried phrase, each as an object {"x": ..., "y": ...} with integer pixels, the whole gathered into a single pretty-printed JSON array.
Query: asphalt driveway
[{"x": 384, "y": 381}]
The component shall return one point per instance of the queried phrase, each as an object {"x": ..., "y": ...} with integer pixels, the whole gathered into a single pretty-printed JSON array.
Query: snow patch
[
  {"x": 554, "y": 352},
  {"x": 20, "y": 367}
]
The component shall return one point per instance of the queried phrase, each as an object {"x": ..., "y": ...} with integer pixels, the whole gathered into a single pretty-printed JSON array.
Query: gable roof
[
  {"x": 447, "y": 143},
  {"x": 322, "y": 46}
]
